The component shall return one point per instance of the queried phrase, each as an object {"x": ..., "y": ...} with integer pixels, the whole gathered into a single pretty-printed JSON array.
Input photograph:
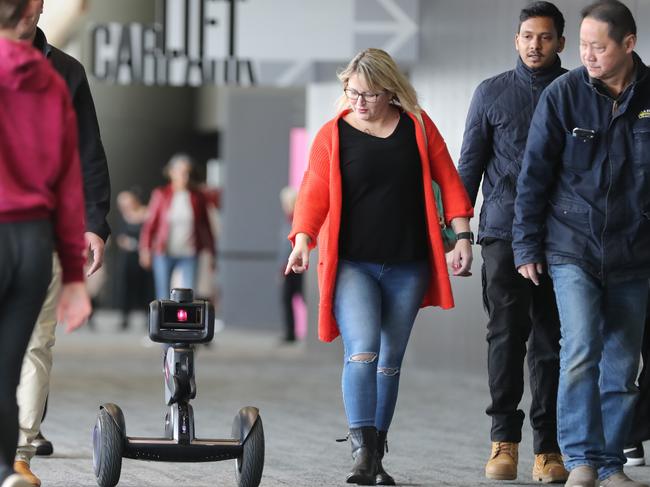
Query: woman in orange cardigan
[{"x": 367, "y": 195}]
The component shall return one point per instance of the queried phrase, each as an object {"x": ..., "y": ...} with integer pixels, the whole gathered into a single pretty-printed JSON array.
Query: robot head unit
[{"x": 181, "y": 319}]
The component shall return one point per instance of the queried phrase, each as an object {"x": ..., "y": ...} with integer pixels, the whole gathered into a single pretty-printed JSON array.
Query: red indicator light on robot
[{"x": 181, "y": 315}]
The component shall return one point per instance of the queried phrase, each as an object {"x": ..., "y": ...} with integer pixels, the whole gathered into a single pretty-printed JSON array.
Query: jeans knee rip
[
  {"x": 363, "y": 358},
  {"x": 388, "y": 371}
]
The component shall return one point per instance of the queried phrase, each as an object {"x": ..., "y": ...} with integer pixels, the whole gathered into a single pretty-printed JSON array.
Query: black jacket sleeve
[
  {"x": 477, "y": 144},
  {"x": 97, "y": 185}
]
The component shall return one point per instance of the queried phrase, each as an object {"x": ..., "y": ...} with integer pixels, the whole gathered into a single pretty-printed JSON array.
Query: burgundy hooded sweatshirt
[{"x": 40, "y": 173}]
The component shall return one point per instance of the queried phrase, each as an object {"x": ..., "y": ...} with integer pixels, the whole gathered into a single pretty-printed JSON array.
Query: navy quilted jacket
[{"x": 494, "y": 141}]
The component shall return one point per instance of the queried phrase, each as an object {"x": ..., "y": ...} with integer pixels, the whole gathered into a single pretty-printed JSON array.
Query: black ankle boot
[
  {"x": 382, "y": 477},
  {"x": 364, "y": 454}
]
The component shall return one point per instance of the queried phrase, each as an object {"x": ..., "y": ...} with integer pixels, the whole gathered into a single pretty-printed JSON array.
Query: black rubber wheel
[
  {"x": 108, "y": 445},
  {"x": 251, "y": 463}
]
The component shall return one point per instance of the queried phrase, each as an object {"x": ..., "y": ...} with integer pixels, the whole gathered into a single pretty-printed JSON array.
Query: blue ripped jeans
[{"x": 375, "y": 306}]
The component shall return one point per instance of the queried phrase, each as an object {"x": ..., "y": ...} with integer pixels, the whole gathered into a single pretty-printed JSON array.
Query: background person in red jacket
[
  {"x": 177, "y": 228},
  {"x": 367, "y": 195},
  {"x": 41, "y": 188}
]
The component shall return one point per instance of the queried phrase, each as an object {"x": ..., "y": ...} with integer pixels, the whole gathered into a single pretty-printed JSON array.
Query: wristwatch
[{"x": 466, "y": 235}]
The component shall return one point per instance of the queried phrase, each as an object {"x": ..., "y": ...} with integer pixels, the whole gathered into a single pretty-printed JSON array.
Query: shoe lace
[
  {"x": 505, "y": 447},
  {"x": 551, "y": 458}
]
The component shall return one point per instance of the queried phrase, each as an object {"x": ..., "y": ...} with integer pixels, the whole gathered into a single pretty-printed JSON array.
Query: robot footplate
[{"x": 169, "y": 450}]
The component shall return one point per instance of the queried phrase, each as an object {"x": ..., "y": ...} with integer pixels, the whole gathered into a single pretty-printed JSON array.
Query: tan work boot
[
  {"x": 22, "y": 468},
  {"x": 502, "y": 464},
  {"x": 549, "y": 468}
]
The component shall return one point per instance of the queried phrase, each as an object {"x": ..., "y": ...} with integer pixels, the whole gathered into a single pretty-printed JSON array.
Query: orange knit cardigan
[{"x": 318, "y": 213}]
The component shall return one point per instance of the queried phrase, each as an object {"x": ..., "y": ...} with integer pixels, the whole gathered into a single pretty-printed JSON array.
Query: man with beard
[{"x": 519, "y": 312}]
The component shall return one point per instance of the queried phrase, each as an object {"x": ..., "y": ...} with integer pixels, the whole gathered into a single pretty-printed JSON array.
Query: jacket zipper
[
  {"x": 609, "y": 188},
  {"x": 615, "y": 107}
]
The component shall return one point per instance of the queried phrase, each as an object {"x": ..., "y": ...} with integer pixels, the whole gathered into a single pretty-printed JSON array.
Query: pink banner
[{"x": 299, "y": 146}]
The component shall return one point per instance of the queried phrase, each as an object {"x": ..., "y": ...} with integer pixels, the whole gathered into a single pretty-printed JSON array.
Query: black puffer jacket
[{"x": 494, "y": 141}]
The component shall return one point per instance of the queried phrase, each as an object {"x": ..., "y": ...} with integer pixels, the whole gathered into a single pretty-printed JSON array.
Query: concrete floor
[{"x": 440, "y": 435}]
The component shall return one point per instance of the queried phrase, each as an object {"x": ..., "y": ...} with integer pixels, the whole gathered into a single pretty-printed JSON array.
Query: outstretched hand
[{"x": 299, "y": 258}]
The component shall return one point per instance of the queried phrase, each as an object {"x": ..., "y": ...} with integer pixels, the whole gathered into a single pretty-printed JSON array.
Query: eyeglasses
[{"x": 353, "y": 95}]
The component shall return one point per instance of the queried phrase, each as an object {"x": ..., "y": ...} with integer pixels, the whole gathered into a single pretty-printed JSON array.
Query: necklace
[{"x": 374, "y": 132}]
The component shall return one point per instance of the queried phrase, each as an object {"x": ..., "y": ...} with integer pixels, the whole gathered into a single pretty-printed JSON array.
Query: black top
[
  {"x": 132, "y": 232},
  {"x": 383, "y": 217}
]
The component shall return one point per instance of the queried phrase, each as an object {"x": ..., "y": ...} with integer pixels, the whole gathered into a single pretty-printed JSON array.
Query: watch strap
[{"x": 465, "y": 235}]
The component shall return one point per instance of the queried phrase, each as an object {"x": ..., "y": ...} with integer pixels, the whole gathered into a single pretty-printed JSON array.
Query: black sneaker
[
  {"x": 43, "y": 446},
  {"x": 635, "y": 455}
]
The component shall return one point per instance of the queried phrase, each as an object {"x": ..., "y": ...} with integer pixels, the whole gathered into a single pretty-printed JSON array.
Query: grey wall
[
  {"x": 141, "y": 128},
  {"x": 255, "y": 126}
]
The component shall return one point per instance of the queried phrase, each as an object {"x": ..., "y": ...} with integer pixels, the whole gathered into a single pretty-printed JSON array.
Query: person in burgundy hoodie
[
  {"x": 40, "y": 197},
  {"x": 34, "y": 387}
]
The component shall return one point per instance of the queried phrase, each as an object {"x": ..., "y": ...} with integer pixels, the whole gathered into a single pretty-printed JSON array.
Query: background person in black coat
[{"x": 133, "y": 284}]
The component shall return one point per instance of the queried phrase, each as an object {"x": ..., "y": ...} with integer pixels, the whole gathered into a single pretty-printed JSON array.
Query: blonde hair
[{"x": 380, "y": 72}]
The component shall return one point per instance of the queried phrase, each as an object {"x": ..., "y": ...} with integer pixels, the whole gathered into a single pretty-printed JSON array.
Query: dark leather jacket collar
[{"x": 40, "y": 43}]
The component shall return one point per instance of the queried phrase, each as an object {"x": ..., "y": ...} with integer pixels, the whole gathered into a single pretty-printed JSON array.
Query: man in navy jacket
[
  {"x": 493, "y": 147},
  {"x": 583, "y": 210}
]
